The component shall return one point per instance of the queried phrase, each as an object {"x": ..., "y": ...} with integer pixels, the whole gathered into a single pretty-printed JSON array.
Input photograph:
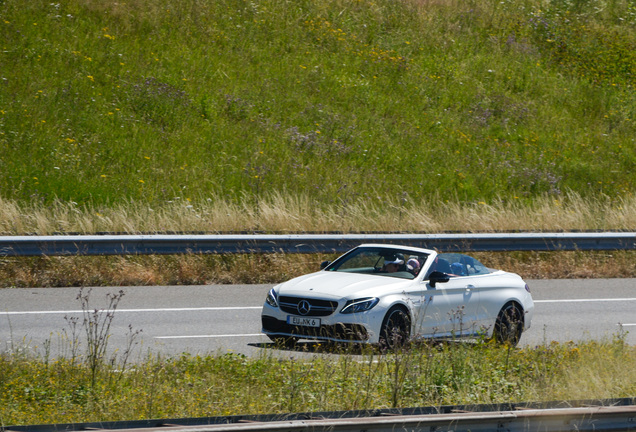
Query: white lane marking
[
  {"x": 200, "y": 309},
  {"x": 586, "y": 300},
  {"x": 626, "y": 325},
  {"x": 203, "y": 309},
  {"x": 209, "y": 336}
]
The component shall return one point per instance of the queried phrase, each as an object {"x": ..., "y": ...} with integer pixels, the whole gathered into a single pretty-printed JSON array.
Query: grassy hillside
[{"x": 103, "y": 102}]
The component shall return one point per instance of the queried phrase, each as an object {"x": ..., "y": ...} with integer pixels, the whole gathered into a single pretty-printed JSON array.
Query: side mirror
[
  {"x": 437, "y": 277},
  {"x": 324, "y": 264}
]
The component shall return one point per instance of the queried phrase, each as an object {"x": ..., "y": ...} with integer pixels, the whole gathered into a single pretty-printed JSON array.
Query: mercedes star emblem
[{"x": 304, "y": 307}]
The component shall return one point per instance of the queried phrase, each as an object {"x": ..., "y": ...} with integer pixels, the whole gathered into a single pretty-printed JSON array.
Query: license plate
[{"x": 303, "y": 321}]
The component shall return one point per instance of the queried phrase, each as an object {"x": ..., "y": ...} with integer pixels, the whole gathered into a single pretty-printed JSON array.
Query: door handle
[{"x": 470, "y": 287}]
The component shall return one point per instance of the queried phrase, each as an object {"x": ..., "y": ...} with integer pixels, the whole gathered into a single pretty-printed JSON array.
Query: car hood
[{"x": 339, "y": 284}]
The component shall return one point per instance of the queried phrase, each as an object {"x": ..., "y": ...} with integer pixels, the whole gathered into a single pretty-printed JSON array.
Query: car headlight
[
  {"x": 272, "y": 298},
  {"x": 359, "y": 305}
]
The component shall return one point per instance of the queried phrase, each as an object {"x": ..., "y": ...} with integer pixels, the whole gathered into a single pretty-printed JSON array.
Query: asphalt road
[{"x": 222, "y": 318}]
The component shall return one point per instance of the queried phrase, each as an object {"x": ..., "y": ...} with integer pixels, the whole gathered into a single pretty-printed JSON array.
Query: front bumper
[{"x": 338, "y": 332}]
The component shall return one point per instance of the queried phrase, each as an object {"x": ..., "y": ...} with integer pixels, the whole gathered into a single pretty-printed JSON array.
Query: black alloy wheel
[
  {"x": 396, "y": 329},
  {"x": 509, "y": 325}
]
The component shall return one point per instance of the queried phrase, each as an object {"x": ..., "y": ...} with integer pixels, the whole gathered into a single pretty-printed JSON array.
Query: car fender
[
  {"x": 494, "y": 299},
  {"x": 398, "y": 299}
]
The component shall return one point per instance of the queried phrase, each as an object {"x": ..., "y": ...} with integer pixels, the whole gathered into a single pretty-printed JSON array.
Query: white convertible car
[{"x": 387, "y": 295}]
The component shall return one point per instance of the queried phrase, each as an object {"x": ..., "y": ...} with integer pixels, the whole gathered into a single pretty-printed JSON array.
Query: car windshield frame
[{"x": 380, "y": 261}]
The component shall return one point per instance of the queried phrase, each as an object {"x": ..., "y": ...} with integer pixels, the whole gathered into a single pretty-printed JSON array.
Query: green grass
[
  {"x": 340, "y": 101},
  {"x": 42, "y": 390}
]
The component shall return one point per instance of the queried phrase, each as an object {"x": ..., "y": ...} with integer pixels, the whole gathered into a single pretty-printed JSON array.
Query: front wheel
[
  {"x": 509, "y": 325},
  {"x": 396, "y": 329}
]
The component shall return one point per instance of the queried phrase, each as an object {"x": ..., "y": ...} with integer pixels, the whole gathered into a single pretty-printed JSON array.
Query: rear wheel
[
  {"x": 396, "y": 329},
  {"x": 509, "y": 325}
]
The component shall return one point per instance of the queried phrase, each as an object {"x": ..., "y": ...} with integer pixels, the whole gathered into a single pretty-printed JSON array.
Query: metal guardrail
[
  {"x": 614, "y": 415},
  {"x": 304, "y": 243}
]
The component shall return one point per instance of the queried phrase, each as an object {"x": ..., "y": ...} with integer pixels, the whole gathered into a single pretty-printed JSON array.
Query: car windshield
[{"x": 380, "y": 261}]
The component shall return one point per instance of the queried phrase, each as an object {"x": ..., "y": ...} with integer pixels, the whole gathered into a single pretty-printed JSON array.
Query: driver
[{"x": 393, "y": 264}]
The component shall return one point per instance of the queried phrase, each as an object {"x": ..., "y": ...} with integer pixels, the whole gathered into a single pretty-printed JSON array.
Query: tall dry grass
[
  {"x": 286, "y": 214},
  {"x": 278, "y": 213},
  {"x": 273, "y": 268}
]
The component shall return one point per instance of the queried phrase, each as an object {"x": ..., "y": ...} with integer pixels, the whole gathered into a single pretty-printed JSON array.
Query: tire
[
  {"x": 509, "y": 325},
  {"x": 396, "y": 329}
]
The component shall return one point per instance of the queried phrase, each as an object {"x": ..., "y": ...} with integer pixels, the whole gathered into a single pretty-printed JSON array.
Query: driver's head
[{"x": 393, "y": 263}]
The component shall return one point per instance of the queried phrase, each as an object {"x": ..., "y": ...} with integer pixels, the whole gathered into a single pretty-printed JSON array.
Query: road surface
[{"x": 226, "y": 318}]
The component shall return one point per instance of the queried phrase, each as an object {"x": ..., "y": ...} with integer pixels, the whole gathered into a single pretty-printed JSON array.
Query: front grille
[
  {"x": 338, "y": 331},
  {"x": 318, "y": 308}
]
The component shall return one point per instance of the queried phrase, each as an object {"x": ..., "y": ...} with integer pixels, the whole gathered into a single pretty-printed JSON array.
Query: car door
[{"x": 448, "y": 308}]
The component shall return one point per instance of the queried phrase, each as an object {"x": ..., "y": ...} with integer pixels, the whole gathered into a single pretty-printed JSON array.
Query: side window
[{"x": 455, "y": 264}]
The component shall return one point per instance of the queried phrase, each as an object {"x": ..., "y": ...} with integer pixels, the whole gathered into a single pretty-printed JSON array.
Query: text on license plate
[{"x": 303, "y": 321}]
